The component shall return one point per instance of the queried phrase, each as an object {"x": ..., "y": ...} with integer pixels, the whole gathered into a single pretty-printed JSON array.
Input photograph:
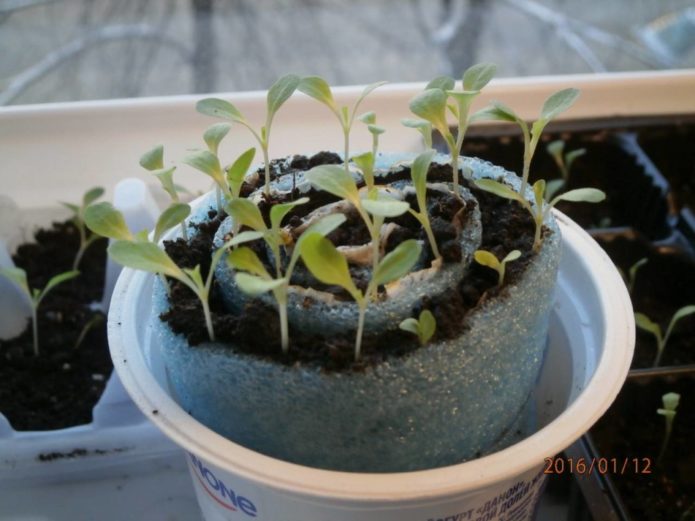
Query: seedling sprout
[
  {"x": 670, "y": 401},
  {"x": 418, "y": 173},
  {"x": 78, "y": 219},
  {"x": 488, "y": 259},
  {"x": 564, "y": 163},
  {"x": 423, "y": 327},
  {"x": 632, "y": 274},
  {"x": 646, "y": 324},
  {"x": 35, "y": 296}
]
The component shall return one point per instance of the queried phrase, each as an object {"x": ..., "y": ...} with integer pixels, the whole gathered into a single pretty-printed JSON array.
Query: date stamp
[{"x": 587, "y": 466}]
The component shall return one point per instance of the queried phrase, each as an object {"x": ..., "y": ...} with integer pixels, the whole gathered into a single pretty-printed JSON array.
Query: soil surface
[
  {"x": 632, "y": 429},
  {"x": 60, "y": 387},
  {"x": 506, "y": 226},
  {"x": 663, "y": 285}
]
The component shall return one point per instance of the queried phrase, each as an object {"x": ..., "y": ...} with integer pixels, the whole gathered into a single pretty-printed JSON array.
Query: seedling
[
  {"x": 432, "y": 105},
  {"x": 488, "y": 259},
  {"x": 319, "y": 89},
  {"x": 645, "y": 323},
  {"x": 423, "y": 127},
  {"x": 153, "y": 160},
  {"x": 564, "y": 163},
  {"x": 277, "y": 95},
  {"x": 78, "y": 219},
  {"x": 632, "y": 274},
  {"x": 369, "y": 119},
  {"x": 35, "y": 296},
  {"x": 670, "y": 401},
  {"x": 423, "y": 327},
  {"x": 95, "y": 321},
  {"x": 418, "y": 173},
  {"x": 326, "y": 263}
]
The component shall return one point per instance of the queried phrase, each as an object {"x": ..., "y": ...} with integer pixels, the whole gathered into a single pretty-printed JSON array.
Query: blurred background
[{"x": 67, "y": 50}]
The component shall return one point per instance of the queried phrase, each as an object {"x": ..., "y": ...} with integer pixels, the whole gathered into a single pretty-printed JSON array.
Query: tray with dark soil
[
  {"x": 664, "y": 284},
  {"x": 60, "y": 387},
  {"x": 656, "y": 488}
]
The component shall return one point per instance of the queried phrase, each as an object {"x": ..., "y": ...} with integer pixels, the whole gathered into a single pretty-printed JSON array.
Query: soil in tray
[
  {"x": 506, "y": 226},
  {"x": 662, "y": 286},
  {"x": 632, "y": 429},
  {"x": 60, "y": 387}
]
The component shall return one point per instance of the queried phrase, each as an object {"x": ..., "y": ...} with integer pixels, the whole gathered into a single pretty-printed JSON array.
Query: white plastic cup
[{"x": 590, "y": 349}]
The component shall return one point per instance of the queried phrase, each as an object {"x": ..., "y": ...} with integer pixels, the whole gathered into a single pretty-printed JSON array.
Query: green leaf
[
  {"x": 105, "y": 220},
  {"x": 219, "y": 108},
  {"x": 215, "y": 134},
  {"x": 478, "y": 75},
  {"x": 175, "y": 214},
  {"x": 18, "y": 276},
  {"x": 411, "y": 325},
  {"x": 385, "y": 207},
  {"x": 644, "y": 322},
  {"x": 253, "y": 285},
  {"x": 153, "y": 159},
  {"x": 496, "y": 111},
  {"x": 415, "y": 123},
  {"x": 463, "y": 99},
  {"x": 323, "y": 227},
  {"x": 555, "y": 149},
  {"x": 318, "y": 89},
  {"x": 326, "y": 264},
  {"x": 166, "y": 179},
  {"x": 246, "y": 213},
  {"x": 334, "y": 180},
  {"x": 442, "y": 82},
  {"x": 671, "y": 401},
  {"x": 430, "y": 105},
  {"x": 365, "y": 162},
  {"x": 398, "y": 262},
  {"x": 511, "y": 256},
  {"x": 279, "y": 211},
  {"x": 195, "y": 276},
  {"x": 499, "y": 189},
  {"x": 487, "y": 258},
  {"x": 580, "y": 195},
  {"x": 418, "y": 172},
  {"x": 369, "y": 118},
  {"x": 428, "y": 325},
  {"x": 280, "y": 92},
  {"x": 539, "y": 192},
  {"x": 237, "y": 172},
  {"x": 145, "y": 256},
  {"x": 92, "y": 195},
  {"x": 366, "y": 91},
  {"x": 376, "y": 129},
  {"x": 571, "y": 156},
  {"x": 552, "y": 187},
  {"x": 558, "y": 102},
  {"x": 681, "y": 313},
  {"x": 246, "y": 236},
  {"x": 56, "y": 280},
  {"x": 73, "y": 208},
  {"x": 245, "y": 259},
  {"x": 208, "y": 163}
]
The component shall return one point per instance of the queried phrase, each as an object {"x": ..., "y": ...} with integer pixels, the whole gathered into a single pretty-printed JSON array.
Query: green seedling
[
  {"x": 327, "y": 264},
  {"x": 645, "y": 323},
  {"x": 564, "y": 163},
  {"x": 94, "y": 322},
  {"x": 373, "y": 210},
  {"x": 256, "y": 280},
  {"x": 35, "y": 296},
  {"x": 632, "y": 274},
  {"x": 439, "y": 96},
  {"x": 319, "y": 89},
  {"x": 423, "y": 127},
  {"x": 488, "y": 259},
  {"x": 78, "y": 219},
  {"x": 277, "y": 95},
  {"x": 153, "y": 160},
  {"x": 369, "y": 119},
  {"x": 423, "y": 327},
  {"x": 418, "y": 173},
  {"x": 670, "y": 401}
]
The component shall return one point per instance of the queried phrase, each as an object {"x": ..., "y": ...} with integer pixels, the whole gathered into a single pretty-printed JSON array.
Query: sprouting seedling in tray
[
  {"x": 319, "y": 89},
  {"x": 35, "y": 296},
  {"x": 252, "y": 277},
  {"x": 564, "y": 162},
  {"x": 670, "y": 401},
  {"x": 432, "y": 105},
  {"x": 645, "y": 323},
  {"x": 418, "y": 173},
  {"x": 277, "y": 95},
  {"x": 487, "y": 258},
  {"x": 423, "y": 327},
  {"x": 554, "y": 105},
  {"x": 78, "y": 219}
]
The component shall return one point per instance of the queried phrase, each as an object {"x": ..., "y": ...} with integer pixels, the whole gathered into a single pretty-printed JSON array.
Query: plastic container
[{"x": 591, "y": 342}]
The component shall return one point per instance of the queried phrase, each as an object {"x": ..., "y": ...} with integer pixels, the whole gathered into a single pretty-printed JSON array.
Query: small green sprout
[
  {"x": 646, "y": 324},
  {"x": 670, "y": 401},
  {"x": 277, "y": 95},
  {"x": 423, "y": 327},
  {"x": 488, "y": 259},
  {"x": 418, "y": 173},
  {"x": 564, "y": 163},
  {"x": 327, "y": 264},
  {"x": 432, "y": 105},
  {"x": 35, "y": 296},
  {"x": 95, "y": 321},
  {"x": 153, "y": 160},
  {"x": 78, "y": 219},
  {"x": 631, "y": 276},
  {"x": 423, "y": 127},
  {"x": 319, "y": 89},
  {"x": 369, "y": 119}
]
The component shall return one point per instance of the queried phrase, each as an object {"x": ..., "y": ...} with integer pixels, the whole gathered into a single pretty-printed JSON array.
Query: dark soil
[
  {"x": 662, "y": 286},
  {"x": 60, "y": 387},
  {"x": 632, "y": 429},
  {"x": 506, "y": 226}
]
